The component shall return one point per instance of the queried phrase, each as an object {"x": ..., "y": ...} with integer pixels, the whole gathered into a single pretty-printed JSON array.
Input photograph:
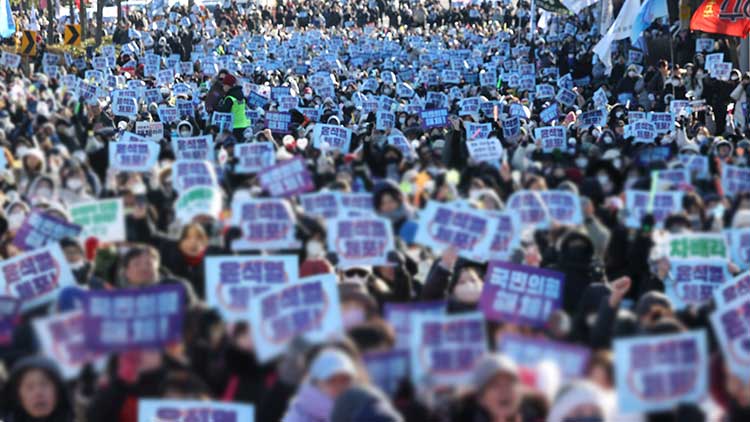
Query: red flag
[{"x": 721, "y": 17}]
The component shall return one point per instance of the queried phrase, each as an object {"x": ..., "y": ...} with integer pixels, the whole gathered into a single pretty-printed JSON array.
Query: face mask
[
  {"x": 632, "y": 74},
  {"x": 607, "y": 140},
  {"x": 15, "y": 220},
  {"x": 702, "y": 139},
  {"x": 43, "y": 193},
  {"x": 308, "y": 97},
  {"x": 74, "y": 184},
  {"x": 314, "y": 249},
  {"x": 617, "y": 163},
  {"x": 582, "y": 162},
  {"x": 352, "y": 316},
  {"x": 402, "y": 121},
  {"x": 603, "y": 180},
  {"x": 184, "y": 134},
  {"x": 77, "y": 265},
  {"x": 468, "y": 292}
]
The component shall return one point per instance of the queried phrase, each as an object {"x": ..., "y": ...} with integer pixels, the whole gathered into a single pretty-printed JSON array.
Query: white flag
[
  {"x": 605, "y": 18},
  {"x": 620, "y": 29},
  {"x": 576, "y": 6}
]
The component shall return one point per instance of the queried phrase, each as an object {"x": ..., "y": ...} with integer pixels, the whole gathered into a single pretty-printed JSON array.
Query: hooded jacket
[{"x": 11, "y": 409}]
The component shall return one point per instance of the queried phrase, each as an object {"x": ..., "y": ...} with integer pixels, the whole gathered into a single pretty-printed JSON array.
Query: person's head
[
  {"x": 580, "y": 400},
  {"x": 653, "y": 307},
  {"x": 35, "y": 390},
  {"x": 184, "y": 385},
  {"x": 496, "y": 385},
  {"x": 228, "y": 82},
  {"x": 141, "y": 266},
  {"x": 600, "y": 369},
  {"x": 332, "y": 371},
  {"x": 193, "y": 240},
  {"x": 469, "y": 284},
  {"x": 358, "y": 274},
  {"x": 388, "y": 203}
]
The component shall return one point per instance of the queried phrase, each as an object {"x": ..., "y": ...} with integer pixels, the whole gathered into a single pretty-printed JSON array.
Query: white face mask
[
  {"x": 468, "y": 292},
  {"x": 308, "y": 97},
  {"x": 582, "y": 162},
  {"x": 603, "y": 180},
  {"x": 314, "y": 249},
  {"x": 43, "y": 193},
  {"x": 15, "y": 220},
  {"x": 74, "y": 183},
  {"x": 632, "y": 74},
  {"x": 607, "y": 140}
]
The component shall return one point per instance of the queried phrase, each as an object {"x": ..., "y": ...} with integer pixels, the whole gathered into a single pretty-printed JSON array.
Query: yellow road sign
[
  {"x": 72, "y": 35},
  {"x": 28, "y": 43}
]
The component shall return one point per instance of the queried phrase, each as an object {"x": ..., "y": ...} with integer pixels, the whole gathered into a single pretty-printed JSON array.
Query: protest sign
[
  {"x": 332, "y": 137},
  {"x": 266, "y": 224},
  {"x": 436, "y": 118},
  {"x": 593, "y": 118},
  {"x": 735, "y": 179},
  {"x": 384, "y": 120},
  {"x": 545, "y": 91},
  {"x": 664, "y": 205},
  {"x": 477, "y": 130},
  {"x": 400, "y": 316},
  {"x": 528, "y": 352},
  {"x": 168, "y": 114},
  {"x": 232, "y": 281},
  {"x": 469, "y": 106},
  {"x": 507, "y": 236},
  {"x": 398, "y": 140},
  {"x": 361, "y": 202},
  {"x": 444, "y": 349},
  {"x": 61, "y": 338},
  {"x": 642, "y": 132},
  {"x": 663, "y": 122},
  {"x": 133, "y": 156},
  {"x": 739, "y": 242},
  {"x": 697, "y": 165},
  {"x": 41, "y": 228},
  {"x": 693, "y": 281},
  {"x": 443, "y": 225},
  {"x": 10, "y": 308},
  {"x": 530, "y": 208},
  {"x": 194, "y": 148},
  {"x": 153, "y": 410},
  {"x": 549, "y": 114},
  {"x": 520, "y": 294},
  {"x": 320, "y": 204},
  {"x": 309, "y": 308},
  {"x": 705, "y": 45},
  {"x": 287, "y": 102},
  {"x": 36, "y": 277},
  {"x": 287, "y": 178},
  {"x": 224, "y": 121},
  {"x": 551, "y": 138},
  {"x": 566, "y": 96},
  {"x": 103, "y": 219},
  {"x": 672, "y": 178},
  {"x": 511, "y": 127},
  {"x": 387, "y": 369},
  {"x": 253, "y": 157},
  {"x": 737, "y": 288},
  {"x": 187, "y": 174},
  {"x": 133, "y": 319},
  {"x": 697, "y": 245},
  {"x": 659, "y": 372},
  {"x": 124, "y": 106},
  {"x": 278, "y": 121},
  {"x": 153, "y": 131},
  {"x": 360, "y": 241},
  {"x": 482, "y": 150},
  {"x": 198, "y": 201},
  {"x": 564, "y": 207}
]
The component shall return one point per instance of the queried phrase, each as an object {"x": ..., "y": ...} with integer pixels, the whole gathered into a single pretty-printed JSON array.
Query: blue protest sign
[
  {"x": 253, "y": 157},
  {"x": 693, "y": 281}
]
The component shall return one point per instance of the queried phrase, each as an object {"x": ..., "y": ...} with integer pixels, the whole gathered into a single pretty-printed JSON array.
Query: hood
[{"x": 11, "y": 405}]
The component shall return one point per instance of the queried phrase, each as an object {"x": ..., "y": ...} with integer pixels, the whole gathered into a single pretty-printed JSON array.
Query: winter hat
[
  {"x": 489, "y": 366},
  {"x": 364, "y": 403},
  {"x": 331, "y": 362},
  {"x": 229, "y": 80},
  {"x": 578, "y": 394}
]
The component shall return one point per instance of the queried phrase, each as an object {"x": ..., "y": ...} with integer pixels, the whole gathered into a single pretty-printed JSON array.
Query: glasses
[{"x": 355, "y": 273}]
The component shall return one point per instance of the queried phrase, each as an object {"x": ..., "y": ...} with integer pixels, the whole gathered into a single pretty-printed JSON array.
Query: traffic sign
[
  {"x": 28, "y": 43},
  {"x": 72, "y": 35}
]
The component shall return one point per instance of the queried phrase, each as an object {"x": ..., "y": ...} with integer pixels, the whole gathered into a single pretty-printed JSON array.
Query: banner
[
  {"x": 232, "y": 281},
  {"x": 309, "y": 308},
  {"x": 445, "y": 348},
  {"x": 721, "y": 17},
  {"x": 40, "y": 228},
  {"x": 520, "y": 294},
  {"x": 133, "y": 319},
  {"x": 360, "y": 241},
  {"x": 36, "y": 277},
  {"x": 103, "y": 219},
  {"x": 152, "y": 410},
  {"x": 659, "y": 372},
  {"x": 442, "y": 225},
  {"x": 61, "y": 338},
  {"x": 266, "y": 224},
  {"x": 287, "y": 178}
]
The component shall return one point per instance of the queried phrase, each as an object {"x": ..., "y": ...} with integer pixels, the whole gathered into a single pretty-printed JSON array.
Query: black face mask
[{"x": 82, "y": 274}]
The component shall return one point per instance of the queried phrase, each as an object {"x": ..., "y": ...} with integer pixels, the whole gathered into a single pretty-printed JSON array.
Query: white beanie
[
  {"x": 741, "y": 219},
  {"x": 489, "y": 366},
  {"x": 330, "y": 362},
  {"x": 577, "y": 394}
]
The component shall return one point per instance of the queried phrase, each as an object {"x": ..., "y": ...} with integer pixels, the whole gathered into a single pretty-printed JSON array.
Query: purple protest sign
[
  {"x": 266, "y": 224},
  {"x": 9, "y": 308},
  {"x": 436, "y": 118},
  {"x": 287, "y": 178},
  {"x": 278, "y": 121},
  {"x": 520, "y": 294},
  {"x": 132, "y": 319},
  {"x": 528, "y": 352},
  {"x": 41, "y": 228},
  {"x": 36, "y": 277}
]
